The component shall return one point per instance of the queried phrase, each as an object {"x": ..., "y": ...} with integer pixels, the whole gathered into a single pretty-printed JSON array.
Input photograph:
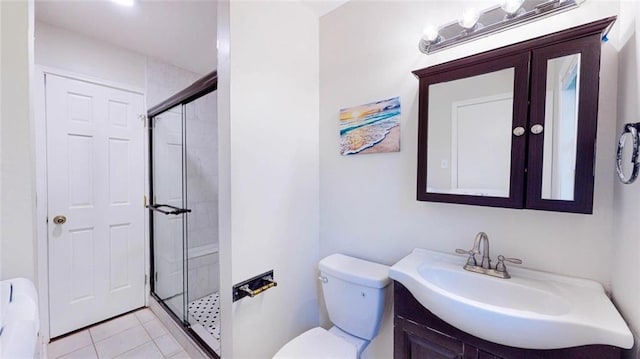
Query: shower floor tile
[{"x": 206, "y": 311}]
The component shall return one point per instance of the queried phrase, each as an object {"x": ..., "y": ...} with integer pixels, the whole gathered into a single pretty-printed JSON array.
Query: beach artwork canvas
[{"x": 370, "y": 128}]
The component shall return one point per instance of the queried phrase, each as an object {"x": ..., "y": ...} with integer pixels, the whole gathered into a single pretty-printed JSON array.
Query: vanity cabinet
[
  {"x": 513, "y": 127},
  {"x": 419, "y": 334}
]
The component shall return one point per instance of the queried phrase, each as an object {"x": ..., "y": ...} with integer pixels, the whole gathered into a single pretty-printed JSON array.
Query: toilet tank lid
[{"x": 354, "y": 270}]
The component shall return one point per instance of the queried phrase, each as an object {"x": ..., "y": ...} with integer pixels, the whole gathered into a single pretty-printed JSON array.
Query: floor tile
[
  {"x": 155, "y": 328},
  {"x": 88, "y": 352},
  {"x": 122, "y": 342},
  {"x": 146, "y": 351},
  {"x": 69, "y": 344},
  {"x": 113, "y": 327},
  {"x": 180, "y": 355},
  {"x": 145, "y": 315},
  {"x": 168, "y": 345}
]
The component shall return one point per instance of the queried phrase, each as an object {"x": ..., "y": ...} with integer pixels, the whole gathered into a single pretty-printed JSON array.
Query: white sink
[{"x": 533, "y": 310}]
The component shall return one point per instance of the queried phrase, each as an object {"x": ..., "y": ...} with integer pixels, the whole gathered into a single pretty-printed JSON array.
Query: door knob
[
  {"x": 518, "y": 131},
  {"x": 537, "y": 129},
  {"x": 59, "y": 219}
]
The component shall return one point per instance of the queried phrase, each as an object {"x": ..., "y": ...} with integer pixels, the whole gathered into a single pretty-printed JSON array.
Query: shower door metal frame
[{"x": 202, "y": 87}]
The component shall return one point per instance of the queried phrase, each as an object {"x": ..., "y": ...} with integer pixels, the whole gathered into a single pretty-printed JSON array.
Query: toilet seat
[{"x": 317, "y": 343}]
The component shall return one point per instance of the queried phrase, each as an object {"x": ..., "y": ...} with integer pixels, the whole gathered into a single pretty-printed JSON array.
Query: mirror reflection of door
[
  {"x": 561, "y": 127},
  {"x": 480, "y": 143},
  {"x": 469, "y": 136}
]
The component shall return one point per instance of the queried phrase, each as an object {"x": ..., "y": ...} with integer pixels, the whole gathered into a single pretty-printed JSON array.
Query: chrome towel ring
[{"x": 631, "y": 128}]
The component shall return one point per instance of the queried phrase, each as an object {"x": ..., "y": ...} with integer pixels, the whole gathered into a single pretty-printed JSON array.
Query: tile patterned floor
[
  {"x": 206, "y": 311},
  {"x": 135, "y": 335}
]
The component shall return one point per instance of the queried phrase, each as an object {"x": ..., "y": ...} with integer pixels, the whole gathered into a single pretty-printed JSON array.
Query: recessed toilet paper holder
[{"x": 254, "y": 286}]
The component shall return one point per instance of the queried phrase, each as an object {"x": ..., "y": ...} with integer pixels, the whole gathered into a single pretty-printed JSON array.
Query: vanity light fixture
[
  {"x": 430, "y": 34},
  {"x": 469, "y": 18},
  {"x": 511, "y": 7},
  {"x": 474, "y": 24}
]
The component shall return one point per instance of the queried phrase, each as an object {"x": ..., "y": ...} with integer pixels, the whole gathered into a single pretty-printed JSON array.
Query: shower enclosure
[{"x": 183, "y": 161}]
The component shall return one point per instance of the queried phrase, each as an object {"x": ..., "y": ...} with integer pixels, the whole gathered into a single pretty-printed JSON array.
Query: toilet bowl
[
  {"x": 317, "y": 343},
  {"x": 354, "y": 293}
]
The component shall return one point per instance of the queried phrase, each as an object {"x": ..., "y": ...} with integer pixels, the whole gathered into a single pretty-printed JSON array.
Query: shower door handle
[{"x": 172, "y": 209}]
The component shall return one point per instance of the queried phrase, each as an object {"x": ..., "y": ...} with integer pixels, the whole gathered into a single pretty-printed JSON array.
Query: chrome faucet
[
  {"x": 482, "y": 237},
  {"x": 499, "y": 271}
]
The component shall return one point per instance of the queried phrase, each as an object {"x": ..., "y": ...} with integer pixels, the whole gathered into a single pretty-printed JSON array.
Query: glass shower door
[
  {"x": 201, "y": 168},
  {"x": 183, "y": 213},
  {"x": 169, "y": 215}
]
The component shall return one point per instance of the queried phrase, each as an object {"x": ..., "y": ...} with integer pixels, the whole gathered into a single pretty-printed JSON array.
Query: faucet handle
[
  {"x": 472, "y": 256},
  {"x": 500, "y": 267}
]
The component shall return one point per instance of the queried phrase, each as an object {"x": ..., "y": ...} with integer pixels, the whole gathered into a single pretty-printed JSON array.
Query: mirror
[
  {"x": 469, "y": 135},
  {"x": 513, "y": 127},
  {"x": 561, "y": 127}
]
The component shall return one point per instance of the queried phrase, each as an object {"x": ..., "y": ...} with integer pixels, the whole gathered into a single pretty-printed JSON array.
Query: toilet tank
[{"x": 354, "y": 293}]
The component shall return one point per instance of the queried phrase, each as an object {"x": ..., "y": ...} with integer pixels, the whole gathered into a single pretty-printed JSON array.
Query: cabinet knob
[
  {"x": 518, "y": 131},
  {"x": 537, "y": 129}
]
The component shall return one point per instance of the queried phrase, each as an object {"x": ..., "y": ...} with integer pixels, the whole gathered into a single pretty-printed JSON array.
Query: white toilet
[{"x": 354, "y": 292}]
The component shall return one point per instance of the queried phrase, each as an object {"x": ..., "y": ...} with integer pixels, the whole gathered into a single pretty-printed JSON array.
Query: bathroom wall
[
  {"x": 268, "y": 113},
  {"x": 164, "y": 80},
  {"x": 16, "y": 152},
  {"x": 66, "y": 50},
  {"x": 626, "y": 239},
  {"x": 1, "y": 70},
  {"x": 367, "y": 202}
]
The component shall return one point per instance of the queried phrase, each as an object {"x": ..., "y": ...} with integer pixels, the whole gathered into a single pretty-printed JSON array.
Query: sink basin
[{"x": 532, "y": 310}]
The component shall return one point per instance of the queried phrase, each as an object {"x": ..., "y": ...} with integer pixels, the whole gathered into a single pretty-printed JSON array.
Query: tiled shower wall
[
  {"x": 202, "y": 167},
  {"x": 204, "y": 276},
  {"x": 165, "y": 80},
  {"x": 202, "y": 196}
]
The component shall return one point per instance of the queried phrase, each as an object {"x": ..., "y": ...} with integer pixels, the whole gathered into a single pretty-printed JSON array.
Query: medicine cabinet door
[
  {"x": 562, "y": 126},
  {"x": 471, "y": 136}
]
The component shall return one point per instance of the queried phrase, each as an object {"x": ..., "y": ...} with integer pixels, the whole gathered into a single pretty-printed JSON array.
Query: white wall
[
  {"x": 1, "y": 70},
  {"x": 66, "y": 50},
  {"x": 17, "y": 192},
  {"x": 272, "y": 114},
  {"x": 224, "y": 178},
  {"x": 367, "y": 202},
  {"x": 626, "y": 240}
]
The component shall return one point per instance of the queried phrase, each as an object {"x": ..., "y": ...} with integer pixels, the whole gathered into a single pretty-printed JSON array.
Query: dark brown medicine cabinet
[{"x": 513, "y": 127}]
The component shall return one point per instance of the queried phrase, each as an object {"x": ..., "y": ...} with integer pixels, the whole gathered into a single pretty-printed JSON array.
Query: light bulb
[
  {"x": 430, "y": 33},
  {"x": 511, "y": 6},
  {"x": 469, "y": 18},
  {"x": 128, "y": 3}
]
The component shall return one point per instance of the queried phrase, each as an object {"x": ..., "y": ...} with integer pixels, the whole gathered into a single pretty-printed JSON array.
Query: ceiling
[{"x": 180, "y": 32}]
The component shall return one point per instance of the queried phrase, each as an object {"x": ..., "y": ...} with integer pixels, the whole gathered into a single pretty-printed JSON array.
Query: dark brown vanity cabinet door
[
  {"x": 420, "y": 334},
  {"x": 576, "y": 80},
  {"x": 413, "y": 341}
]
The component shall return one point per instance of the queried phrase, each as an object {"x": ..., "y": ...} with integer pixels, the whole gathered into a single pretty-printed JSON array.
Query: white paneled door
[{"x": 95, "y": 176}]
